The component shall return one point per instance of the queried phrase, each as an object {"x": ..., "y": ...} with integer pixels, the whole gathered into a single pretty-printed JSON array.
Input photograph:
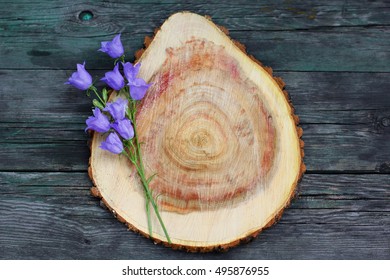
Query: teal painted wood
[
  {"x": 111, "y": 16},
  {"x": 333, "y": 217},
  {"x": 43, "y": 130},
  {"x": 333, "y": 56},
  {"x": 328, "y": 148},
  {"x": 39, "y": 98},
  {"x": 287, "y": 35}
]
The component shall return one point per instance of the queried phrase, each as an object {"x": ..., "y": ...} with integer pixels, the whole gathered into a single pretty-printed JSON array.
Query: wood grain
[
  {"x": 288, "y": 35},
  {"x": 261, "y": 15},
  {"x": 64, "y": 220},
  {"x": 339, "y": 115},
  {"x": 219, "y": 134},
  {"x": 50, "y": 214},
  {"x": 334, "y": 98}
]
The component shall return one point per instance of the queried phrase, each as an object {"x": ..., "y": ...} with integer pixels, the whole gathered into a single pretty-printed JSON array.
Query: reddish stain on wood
[{"x": 187, "y": 191}]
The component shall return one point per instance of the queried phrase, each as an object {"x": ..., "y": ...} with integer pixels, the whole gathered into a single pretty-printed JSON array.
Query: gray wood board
[
  {"x": 287, "y": 35},
  {"x": 348, "y": 113},
  {"x": 333, "y": 217}
]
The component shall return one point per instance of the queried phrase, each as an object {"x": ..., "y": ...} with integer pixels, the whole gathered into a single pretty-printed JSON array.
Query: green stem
[
  {"x": 149, "y": 197},
  {"x": 98, "y": 95},
  {"x": 147, "y": 207},
  {"x": 134, "y": 160},
  {"x": 152, "y": 201},
  {"x": 139, "y": 165},
  {"x": 122, "y": 58}
]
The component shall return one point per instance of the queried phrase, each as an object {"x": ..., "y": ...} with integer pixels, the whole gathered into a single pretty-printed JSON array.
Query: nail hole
[
  {"x": 385, "y": 121},
  {"x": 86, "y": 15}
]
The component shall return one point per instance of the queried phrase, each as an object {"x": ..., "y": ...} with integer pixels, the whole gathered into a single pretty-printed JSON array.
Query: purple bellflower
[
  {"x": 80, "y": 79},
  {"x": 131, "y": 71},
  {"x": 99, "y": 122},
  {"x": 138, "y": 88},
  {"x": 117, "y": 109},
  {"x": 113, "y": 48},
  {"x": 114, "y": 78},
  {"x": 112, "y": 144},
  {"x": 124, "y": 128}
]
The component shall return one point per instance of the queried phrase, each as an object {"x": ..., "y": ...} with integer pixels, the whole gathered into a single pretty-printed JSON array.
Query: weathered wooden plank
[
  {"x": 334, "y": 192},
  {"x": 368, "y": 186},
  {"x": 45, "y": 184},
  {"x": 346, "y": 148},
  {"x": 40, "y": 97},
  {"x": 345, "y": 117},
  {"x": 322, "y": 186},
  {"x": 51, "y": 16},
  {"x": 340, "y": 98},
  {"x": 289, "y": 35},
  {"x": 53, "y": 238},
  {"x": 318, "y": 50},
  {"x": 68, "y": 156},
  {"x": 319, "y": 97},
  {"x": 328, "y": 50},
  {"x": 328, "y": 148},
  {"x": 41, "y": 224}
]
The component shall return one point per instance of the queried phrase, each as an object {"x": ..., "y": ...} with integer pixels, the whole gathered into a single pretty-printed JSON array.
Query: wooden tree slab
[{"x": 220, "y": 133}]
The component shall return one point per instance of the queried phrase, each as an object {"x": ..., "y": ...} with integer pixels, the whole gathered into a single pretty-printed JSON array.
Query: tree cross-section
[{"x": 219, "y": 132}]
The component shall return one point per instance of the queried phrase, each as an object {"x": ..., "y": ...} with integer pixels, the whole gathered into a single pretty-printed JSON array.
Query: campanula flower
[
  {"x": 98, "y": 122},
  {"x": 80, "y": 79},
  {"x": 114, "y": 78},
  {"x": 117, "y": 109},
  {"x": 138, "y": 88},
  {"x": 113, "y": 48},
  {"x": 131, "y": 71},
  {"x": 124, "y": 128},
  {"x": 112, "y": 144}
]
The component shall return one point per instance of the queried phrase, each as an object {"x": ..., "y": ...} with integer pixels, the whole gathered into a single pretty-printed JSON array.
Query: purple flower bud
[
  {"x": 138, "y": 88},
  {"x": 99, "y": 122},
  {"x": 131, "y": 71},
  {"x": 124, "y": 128},
  {"x": 114, "y": 78},
  {"x": 117, "y": 109},
  {"x": 80, "y": 79},
  {"x": 112, "y": 144},
  {"x": 113, "y": 48}
]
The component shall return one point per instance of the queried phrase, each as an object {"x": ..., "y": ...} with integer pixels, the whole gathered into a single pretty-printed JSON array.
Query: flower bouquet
[{"x": 117, "y": 119}]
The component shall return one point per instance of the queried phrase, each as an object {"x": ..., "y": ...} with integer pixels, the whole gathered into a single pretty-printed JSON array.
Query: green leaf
[
  {"x": 105, "y": 94},
  {"x": 97, "y": 104},
  {"x": 150, "y": 178}
]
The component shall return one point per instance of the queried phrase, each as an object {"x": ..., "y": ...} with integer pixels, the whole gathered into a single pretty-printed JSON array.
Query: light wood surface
[{"x": 219, "y": 133}]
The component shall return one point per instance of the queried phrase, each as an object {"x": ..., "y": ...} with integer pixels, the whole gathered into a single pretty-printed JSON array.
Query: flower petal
[
  {"x": 131, "y": 71},
  {"x": 117, "y": 109},
  {"x": 98, "y": 122},
  {"x": 112, "y": 144},
  {"x": 124, "y": 128},
  {"x": 114, "y": 78},
  {"x": 113, "y": 48},
  {"x": 80, "y": 79},
  {"x": 138, "y": 89}
]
